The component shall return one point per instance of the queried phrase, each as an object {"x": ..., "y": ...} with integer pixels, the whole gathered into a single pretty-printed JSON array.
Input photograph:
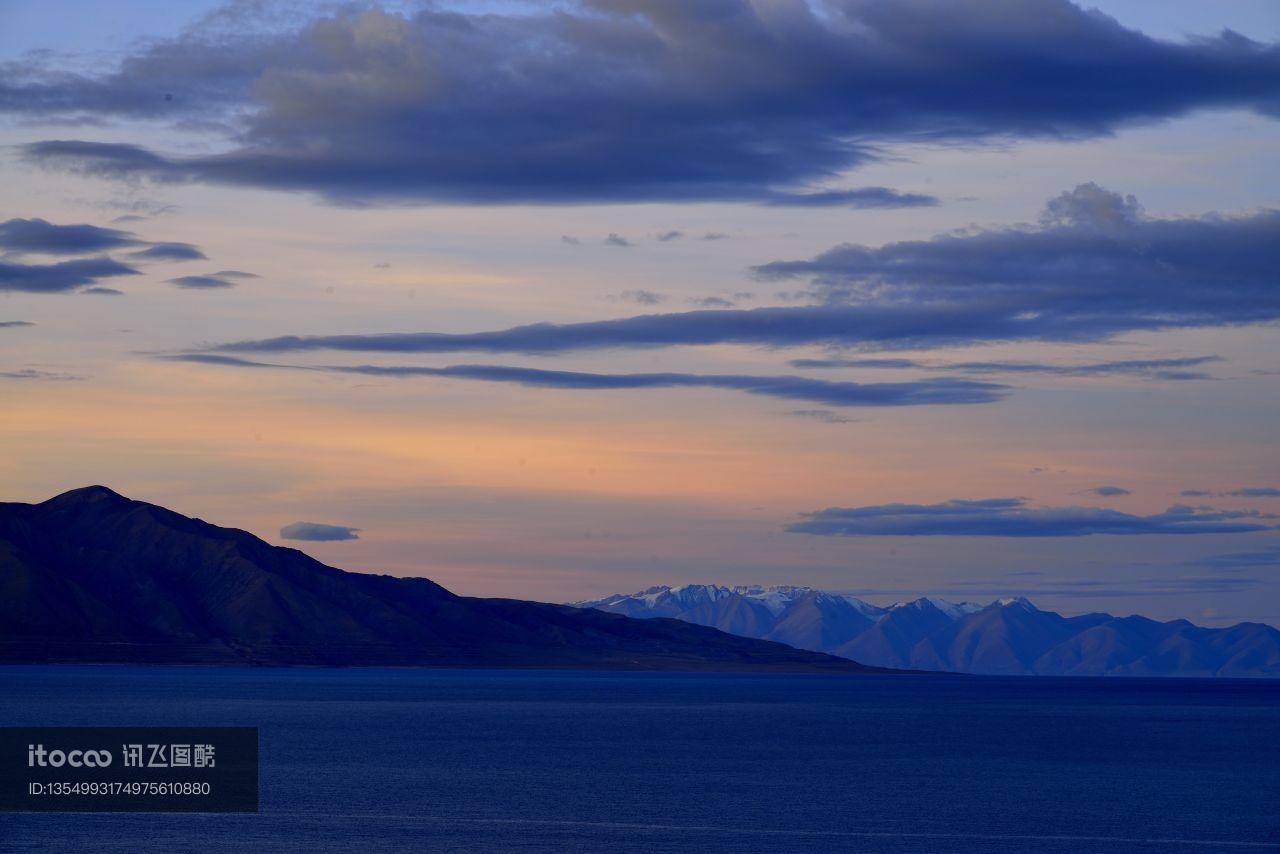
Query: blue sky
[{"x": 865, "y": 296}]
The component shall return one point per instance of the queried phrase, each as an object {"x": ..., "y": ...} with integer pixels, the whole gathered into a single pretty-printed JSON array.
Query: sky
[{"x": 558, "y": 300}]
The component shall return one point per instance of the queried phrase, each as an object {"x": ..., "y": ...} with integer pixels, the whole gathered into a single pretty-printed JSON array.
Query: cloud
[
  {"x": 862, "y": 197},
  {"x": 33, "y": 374},
  {"x": 859, "y": 363},
  {"x": 570, "y": 240},
  {"x": 1269, "y": 556},
  {"x": 140, "y": 210},
  {"x": 714, "y": 235},
  {"x": 1011, "y": 517},
  {"x": 39, "y": 235},
  {"x": 1110, "y": 491},
  {"x": 1256, "y": 492},
  {"x": 769, "y": 326},
  {"x": 1195, "y": 493},
  {"x": 640, "y": 297},
  {"x": 318, "y": 533},
  {"x": 1093, "y": 267},
  {"x": 629, "y": 100},
  {"x": 826, "y": 416},
  {"x": 13, "y": 324},
  {"x": 238, "y": 274},
  {"x": 668, "y": 236},
  {"x": 170, "y": 252},
  {"x": 616, "y": 240},
  {"x": 919, "y": 393},
  {"x": 711, "y": 302},
  {"x": 201, "y": 282},
  {"x": 1163, "y": 369},
  {"x": 110, "y": 292},
  {"x": 1078, "y": 278},
  {"x": 60, "y": 277},
  {"x": 43, "y": 237}
]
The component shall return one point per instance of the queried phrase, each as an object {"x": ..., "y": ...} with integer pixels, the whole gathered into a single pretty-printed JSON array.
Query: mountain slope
[
  {"x": 93, "y": 576},
  {"x": 1008, "y": 637}
]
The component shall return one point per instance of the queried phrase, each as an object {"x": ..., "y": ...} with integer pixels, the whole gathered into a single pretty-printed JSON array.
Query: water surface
[{"x": 388, "y": 760}]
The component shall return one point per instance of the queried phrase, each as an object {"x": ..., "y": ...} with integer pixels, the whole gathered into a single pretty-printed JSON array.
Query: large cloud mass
[
  {"x": 1093, "y": 268},
  {"x": 634, "y": 100}
]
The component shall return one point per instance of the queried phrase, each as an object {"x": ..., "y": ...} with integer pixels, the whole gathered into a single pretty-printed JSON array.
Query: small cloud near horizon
[{"x": 317, "y": 532}]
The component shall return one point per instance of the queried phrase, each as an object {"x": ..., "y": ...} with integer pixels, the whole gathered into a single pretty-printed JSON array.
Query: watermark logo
[
  {"x": 37, "y": 756},
  {"x": 129, "y": 769}
]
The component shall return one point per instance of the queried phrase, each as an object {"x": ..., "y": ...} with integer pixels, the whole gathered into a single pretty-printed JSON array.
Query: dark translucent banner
[{"x": 129, "y": 769}]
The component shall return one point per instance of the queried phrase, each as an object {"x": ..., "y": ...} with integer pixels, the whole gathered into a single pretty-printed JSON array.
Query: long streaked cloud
[
  {"x": 1012, "y": 517},
  {"x": 1241, "y": 492},
  {"x": 36, "y": 374},
  {"x": 201, "y": 282},
  {"x": 1269, "y": 556},
  {"x": 860, "y": 197},
  {"x": 39, "y": 236},
  {"x": 826, "y": 416},
  {"x": 15, "y": 324},
  {"x": 169, "y": 252},
  {"x": 632, "y": 100},
  {"x": 60, "y": 277},
  {"x": 42, "y": 236},
  {"x": 1095, "y": 267},
  {"x": 769, "y": 326},
  {"x": 1164, "y": 369},
  {"x": 919, "y": 393}
]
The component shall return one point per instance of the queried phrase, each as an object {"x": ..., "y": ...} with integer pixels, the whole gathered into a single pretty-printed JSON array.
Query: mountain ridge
[
  {"x": 1006, "y": 637},
  {"x": 93, "y": 576}
]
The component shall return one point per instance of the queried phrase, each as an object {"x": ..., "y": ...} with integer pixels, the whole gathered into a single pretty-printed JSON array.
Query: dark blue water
[{"x": 389, "y": 760}]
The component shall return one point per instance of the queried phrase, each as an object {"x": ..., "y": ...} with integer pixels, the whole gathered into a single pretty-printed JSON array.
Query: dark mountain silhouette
[
  {"x": 92, "y": 576},
  {"x": 1008, "y": 637}
]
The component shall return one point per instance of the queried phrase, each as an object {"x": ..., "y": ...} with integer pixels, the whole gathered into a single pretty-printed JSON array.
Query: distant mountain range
[
  {"x": 1006, "y": 637},
  {"x": 92, "y": 576}
]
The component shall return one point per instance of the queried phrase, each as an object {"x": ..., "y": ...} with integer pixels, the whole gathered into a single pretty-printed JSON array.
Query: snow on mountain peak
[
  {"x": 776, "y": 599},
  {"x": 954, "y": 610}
]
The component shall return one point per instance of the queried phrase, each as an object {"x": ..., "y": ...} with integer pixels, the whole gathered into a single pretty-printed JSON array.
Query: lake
[{"x": 389, "y": 760}]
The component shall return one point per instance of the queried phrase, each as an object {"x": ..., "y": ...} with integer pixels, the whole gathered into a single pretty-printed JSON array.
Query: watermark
[{"x": 129, "y": 769}]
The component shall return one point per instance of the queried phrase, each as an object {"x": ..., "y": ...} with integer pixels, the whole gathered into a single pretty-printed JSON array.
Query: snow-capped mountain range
[{"x": 1005, "y": 637}]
